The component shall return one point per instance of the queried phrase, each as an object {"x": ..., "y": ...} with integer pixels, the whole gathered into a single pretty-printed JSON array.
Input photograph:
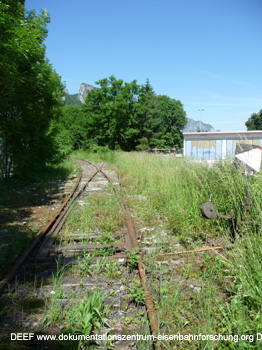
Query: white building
[{"x": 215, "y": 145}]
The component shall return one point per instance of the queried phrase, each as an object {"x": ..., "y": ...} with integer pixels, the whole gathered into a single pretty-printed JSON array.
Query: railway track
[{"x": 87, "y": 254}]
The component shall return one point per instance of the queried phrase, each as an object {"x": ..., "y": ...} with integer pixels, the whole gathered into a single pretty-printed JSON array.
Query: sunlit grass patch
[
  {"x": 99, "y": 212},
  {"x": 174, "y": 189}
]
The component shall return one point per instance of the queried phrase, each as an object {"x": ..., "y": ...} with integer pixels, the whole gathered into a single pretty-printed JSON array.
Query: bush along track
[{"x": 85, "y": 283}]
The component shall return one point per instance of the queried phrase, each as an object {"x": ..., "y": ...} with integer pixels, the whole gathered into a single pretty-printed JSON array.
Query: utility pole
[{"x": 200, "y": 110}]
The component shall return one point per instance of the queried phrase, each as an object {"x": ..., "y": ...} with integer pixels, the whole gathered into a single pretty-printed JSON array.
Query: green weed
[
  {"x": 107, "y": 237},
  {"x": 113, "y": 269},
  {"x": 54, "y": 306},
  {"x": 132, "y": 259},
  {"x": 85, "y": 316},
  {"x": 137, "y": 292},
  {"x": 84, "y": 267},
  {"x": 99, "y": 267}
]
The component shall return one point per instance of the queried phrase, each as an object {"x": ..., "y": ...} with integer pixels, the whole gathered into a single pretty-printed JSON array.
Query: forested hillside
[{"x": 72, "y": 100}]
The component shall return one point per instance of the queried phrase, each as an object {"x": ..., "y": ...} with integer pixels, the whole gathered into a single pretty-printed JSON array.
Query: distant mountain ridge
[
  {"x": 79, "y": 98},
  {"x": 195, "y": 126}
]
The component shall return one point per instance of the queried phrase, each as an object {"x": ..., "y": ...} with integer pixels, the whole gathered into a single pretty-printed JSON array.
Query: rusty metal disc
[{"x": 208, "y": 210}]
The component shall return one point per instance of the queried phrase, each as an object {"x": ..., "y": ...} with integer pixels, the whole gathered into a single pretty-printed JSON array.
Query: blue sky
[{"x": 205, "y": 53}]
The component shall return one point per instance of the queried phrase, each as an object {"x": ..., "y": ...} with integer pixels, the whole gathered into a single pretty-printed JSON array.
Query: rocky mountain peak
[
  {"x": 194, "y": 126},
  {"x": 83, "y": 91},
  {"x": 79, "y": 98}
]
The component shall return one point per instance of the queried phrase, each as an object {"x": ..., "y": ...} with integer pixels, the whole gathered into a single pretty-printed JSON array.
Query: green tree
[
  {"x": 163, "y": 119},
  {"x": 72, "y": 129},
  {"x": 112, "y": 114},
  {"x": 128, "y": 116},
  {"x": 255, "y": 121},
  {"x": 173, "y": 120},
  {"x": 30, "y": 89},
  {"x": 150, "y": 119}
]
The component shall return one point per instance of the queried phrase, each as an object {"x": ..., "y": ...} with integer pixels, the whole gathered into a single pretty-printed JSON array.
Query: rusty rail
[
  {"x": 42, "y": 233},
  {"x": 131, "y": 244},
  {"x": 49, "y": 237},
  {"x": 134, "y": 244},
  {"x": 53, "y": 226}
]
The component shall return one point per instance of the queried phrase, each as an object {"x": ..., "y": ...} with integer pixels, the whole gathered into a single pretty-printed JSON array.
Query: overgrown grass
[
  {"x": 108, "y": 157},
  {"x": 102, "y": 213},
  {"x": 174, "y": 189},
  {"x": 210, "y": 293}
]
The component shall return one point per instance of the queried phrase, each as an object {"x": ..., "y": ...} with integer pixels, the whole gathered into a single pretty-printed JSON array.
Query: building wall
[{"x": 212, "y": 146}]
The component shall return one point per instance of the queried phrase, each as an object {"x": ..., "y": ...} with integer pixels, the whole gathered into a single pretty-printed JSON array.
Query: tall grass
[{"x": 176, "y": 187}]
